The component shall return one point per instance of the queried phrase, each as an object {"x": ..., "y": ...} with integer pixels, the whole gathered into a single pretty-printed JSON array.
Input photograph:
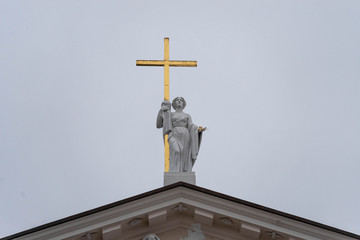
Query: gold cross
[{"x": 166, "y": 63}]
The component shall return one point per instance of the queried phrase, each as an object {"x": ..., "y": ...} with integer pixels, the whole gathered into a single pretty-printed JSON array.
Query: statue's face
[{"x": 179, "y": 103}]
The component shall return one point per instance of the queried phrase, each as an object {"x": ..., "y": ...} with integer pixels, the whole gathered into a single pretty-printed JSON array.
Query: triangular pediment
[{"x": 183, "y": 212}]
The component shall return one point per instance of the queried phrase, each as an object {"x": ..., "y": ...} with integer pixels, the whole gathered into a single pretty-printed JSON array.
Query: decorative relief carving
[
  {"x": 135, "y": 221},
  {"x": 226, "y": 220},
  {"x": 274, "y": 235},
  {"x": 88, "y": 235},
  {"x": 180, "y": 207}
]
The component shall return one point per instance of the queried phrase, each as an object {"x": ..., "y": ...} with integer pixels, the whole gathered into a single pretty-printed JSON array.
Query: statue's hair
[{"x": 173, "y": 102}]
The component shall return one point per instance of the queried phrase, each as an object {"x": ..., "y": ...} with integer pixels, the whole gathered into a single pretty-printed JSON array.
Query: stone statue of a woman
[{"x": 184, "y": 136}]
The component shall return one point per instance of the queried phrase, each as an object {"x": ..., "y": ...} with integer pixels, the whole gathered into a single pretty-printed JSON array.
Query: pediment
[
  {"x": 184, "y": 212},
  {"x": 181, "y": 221}
]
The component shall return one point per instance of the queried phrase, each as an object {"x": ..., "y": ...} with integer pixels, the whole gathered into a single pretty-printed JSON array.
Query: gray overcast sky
[{"x": 277, "y": 84}]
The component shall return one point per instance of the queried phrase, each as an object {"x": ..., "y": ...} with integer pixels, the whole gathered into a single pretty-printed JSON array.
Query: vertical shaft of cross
[
  {"x": 166, "y": 97},
  {"x": 166, "y": 70}
]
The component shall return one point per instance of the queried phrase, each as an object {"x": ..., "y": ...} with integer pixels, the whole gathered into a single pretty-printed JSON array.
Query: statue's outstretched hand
[
  {"x": 202, "y": 129},
  {"x": 165, "y": 105}
]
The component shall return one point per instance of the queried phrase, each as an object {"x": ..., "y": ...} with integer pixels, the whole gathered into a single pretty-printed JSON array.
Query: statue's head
[
  {"x": 151, "y": 236},
  {"x": 178, "y": 102}
]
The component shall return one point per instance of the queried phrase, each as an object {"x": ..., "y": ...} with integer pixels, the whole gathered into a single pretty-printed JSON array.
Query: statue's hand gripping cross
[{"x": 166, "y": 63}]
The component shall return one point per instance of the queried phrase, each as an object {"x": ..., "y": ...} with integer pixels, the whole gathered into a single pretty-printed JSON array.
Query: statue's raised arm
[{"x": 164, "y": 118}]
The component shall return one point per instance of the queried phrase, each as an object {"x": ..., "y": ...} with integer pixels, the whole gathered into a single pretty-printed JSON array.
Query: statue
[
  {"x": 151, "y": 236},
  {"x": 184, "y": 136}
]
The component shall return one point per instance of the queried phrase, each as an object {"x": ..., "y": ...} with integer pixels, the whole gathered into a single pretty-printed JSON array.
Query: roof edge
[{"x": 175, "y": 185}]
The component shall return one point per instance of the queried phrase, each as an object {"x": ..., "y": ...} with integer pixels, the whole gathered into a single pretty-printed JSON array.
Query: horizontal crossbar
[{"x": 160, "y": 63}]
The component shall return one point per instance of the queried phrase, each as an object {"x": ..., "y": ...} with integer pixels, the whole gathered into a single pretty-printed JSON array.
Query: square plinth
[{"x": 174, "y": 177}]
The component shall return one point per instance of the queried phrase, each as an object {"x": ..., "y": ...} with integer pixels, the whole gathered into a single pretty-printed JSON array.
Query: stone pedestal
[{"x": 173, "y": 177}]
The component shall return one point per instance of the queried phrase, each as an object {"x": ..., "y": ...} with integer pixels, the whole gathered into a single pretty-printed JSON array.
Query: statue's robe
[{"x": 184, "y": 139}]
